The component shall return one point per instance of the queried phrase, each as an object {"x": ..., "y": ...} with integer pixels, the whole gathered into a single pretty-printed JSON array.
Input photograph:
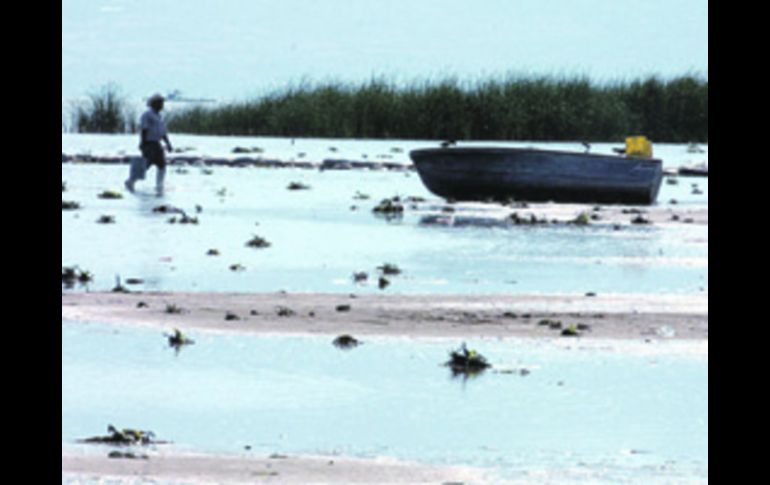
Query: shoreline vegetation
[{"x": 544, "y": 108}]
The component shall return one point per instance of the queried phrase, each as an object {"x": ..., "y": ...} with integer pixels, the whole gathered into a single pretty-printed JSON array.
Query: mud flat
[
  {"x": 161, "y": 467},
  {"x": 604, "y": 316}
]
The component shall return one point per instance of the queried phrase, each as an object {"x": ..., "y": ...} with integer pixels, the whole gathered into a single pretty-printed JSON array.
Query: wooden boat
[
  {"x": 699, "y": 170},
  {"x": 484, "y": 173}
]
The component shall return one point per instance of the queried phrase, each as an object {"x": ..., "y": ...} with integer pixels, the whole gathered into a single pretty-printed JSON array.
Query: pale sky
[{"x": 229, "y": 49}]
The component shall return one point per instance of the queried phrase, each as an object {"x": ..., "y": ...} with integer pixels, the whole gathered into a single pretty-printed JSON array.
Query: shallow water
[
  {"x": 581, "y": 415},
  {"x": 606, "y": 414},
  {"x": 319, "y": 237},
  {"x": 318, "y": 149}
]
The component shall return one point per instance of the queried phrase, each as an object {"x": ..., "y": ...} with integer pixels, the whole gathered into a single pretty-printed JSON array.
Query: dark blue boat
[{"x": 480, "y": 173}]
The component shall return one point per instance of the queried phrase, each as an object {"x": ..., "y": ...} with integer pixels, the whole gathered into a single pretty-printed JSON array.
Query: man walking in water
[{"x": 153, "y": 132}]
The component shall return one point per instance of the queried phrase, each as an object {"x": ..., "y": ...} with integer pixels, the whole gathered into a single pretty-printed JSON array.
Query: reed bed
[
  {"x": 512, "y": 108},
  {"x": 105, "y": 111}
]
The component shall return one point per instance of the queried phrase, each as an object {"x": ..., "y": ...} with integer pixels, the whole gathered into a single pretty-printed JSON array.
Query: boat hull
[{"x": 537, "y": 175}]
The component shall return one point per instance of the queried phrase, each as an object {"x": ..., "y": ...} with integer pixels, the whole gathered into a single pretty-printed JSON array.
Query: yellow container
[{"x": 638, "y": 146}]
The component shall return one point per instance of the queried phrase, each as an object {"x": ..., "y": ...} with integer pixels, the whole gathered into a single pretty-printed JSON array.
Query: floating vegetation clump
[
  {"x": 582, "y": 219},
  {"x": 177, "y": 339},
  {"x": 165, "y": 209},
  {"x": 126, "y": 436},
  {"x": 72, "y": 274},
  {"x": 466, "y": 362},
  {"x": 360, "y": 277},
  {"x": 68, "y": 205},
  {"x": 346, "y": 342},
  {"x": 532, "y": 220},
  {"x": 383, "y": 282},
  {"x": 257, "y": 242},
  {"x": 173, "y": 309},
  {"x": 297, "y": 186},
  {"x": 389, "y": 207},
  {"x": 283, "y": 311},
  {"x": 248, "y": 150},
  {"x": 184, "y": 219},
  {"x": 127, "y": 454},
  {"x": 110, "y": 194},
  {"x": 389, "y": 269},
  {"x": 552, "y": 324}
]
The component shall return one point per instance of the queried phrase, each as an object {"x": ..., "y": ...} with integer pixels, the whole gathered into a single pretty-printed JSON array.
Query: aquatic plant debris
[
  {"x": 345, "y": 342},
  {"x": 110, "y": 194},
  {"x": 128, "y": 455},
  {"x": 72, "y": 274},
  {"x": 582, "y": 219},
  {"x": 173, "y": 309},
  {"x": 178, "y": 339},
  {"x": 126, "y": 436},
  {"x": 390, "y": 206},
  {"x": 257, "y": 242},
  {"x": 297, "y": 186},
  {"x": 467, "y": 362},
  {"x": 185, "y": 219},
  {"x": 532, "y": 220},
  {"x": 283, "y": 311},
  {"x": 360, "y": 276},
  {"x": 389, "y": 269}
]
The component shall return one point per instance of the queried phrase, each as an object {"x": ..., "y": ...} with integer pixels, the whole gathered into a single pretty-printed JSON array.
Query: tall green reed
[{"x": 502, "y": 108}]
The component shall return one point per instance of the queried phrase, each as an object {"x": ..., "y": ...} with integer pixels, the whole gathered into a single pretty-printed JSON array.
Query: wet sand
[
  {"x": 199, "y": 469},
  {"x": 602, "y": 316}
]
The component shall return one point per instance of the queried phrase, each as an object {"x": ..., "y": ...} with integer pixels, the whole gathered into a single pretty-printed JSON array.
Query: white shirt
[{"x": 154, "y": 124}]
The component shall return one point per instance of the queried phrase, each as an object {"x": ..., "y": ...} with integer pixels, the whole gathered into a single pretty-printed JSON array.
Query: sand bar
[
  {"x": 618, "y": 316},
  {"x": 207, "y": 468}
]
